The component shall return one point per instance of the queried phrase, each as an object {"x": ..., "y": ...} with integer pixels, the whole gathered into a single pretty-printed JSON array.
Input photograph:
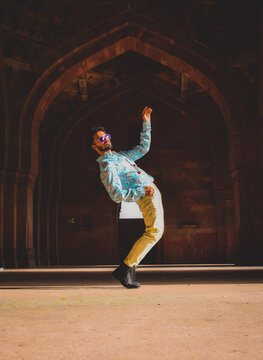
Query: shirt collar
[{"x": 111, "y": 155}]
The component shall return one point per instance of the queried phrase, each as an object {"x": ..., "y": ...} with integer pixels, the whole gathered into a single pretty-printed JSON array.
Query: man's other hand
[
  {"x": 149, "y": 191},
  {"x": 146, "y": 113}
]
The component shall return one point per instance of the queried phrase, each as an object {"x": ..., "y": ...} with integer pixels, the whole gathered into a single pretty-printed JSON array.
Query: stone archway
[
  {"x": 90, "y": 50},
  {"x": 52, "y": 215},
  {"x": 212, "y": 82}
]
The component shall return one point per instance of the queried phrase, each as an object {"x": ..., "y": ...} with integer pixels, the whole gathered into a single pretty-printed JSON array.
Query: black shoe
[
  {"x": 133, "y": 275},
  {"x": 124, "y": 274}
]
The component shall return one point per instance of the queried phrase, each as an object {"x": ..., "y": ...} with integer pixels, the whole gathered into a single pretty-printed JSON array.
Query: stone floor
[{"x": 182, "y": 313}]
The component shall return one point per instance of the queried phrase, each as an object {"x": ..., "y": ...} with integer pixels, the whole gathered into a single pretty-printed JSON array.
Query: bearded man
[{"x": 125, "y": 181}]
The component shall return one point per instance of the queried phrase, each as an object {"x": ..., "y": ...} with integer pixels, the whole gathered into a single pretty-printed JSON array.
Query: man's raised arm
[{"x": 145, "y": 138}]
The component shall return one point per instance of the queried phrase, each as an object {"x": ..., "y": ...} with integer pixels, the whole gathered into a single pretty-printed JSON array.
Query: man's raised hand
[{"x": 146, "y": 113}]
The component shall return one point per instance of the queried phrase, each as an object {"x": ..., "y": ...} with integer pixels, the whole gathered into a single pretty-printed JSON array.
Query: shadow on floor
[{"x": 100, "y": 277}]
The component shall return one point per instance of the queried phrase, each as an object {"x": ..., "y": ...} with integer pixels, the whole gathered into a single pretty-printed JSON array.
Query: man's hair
[{"x": 93, "y": 131}]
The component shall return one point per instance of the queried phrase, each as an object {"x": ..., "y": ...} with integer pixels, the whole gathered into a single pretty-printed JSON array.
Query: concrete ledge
[{"x": 100, "y": 276}]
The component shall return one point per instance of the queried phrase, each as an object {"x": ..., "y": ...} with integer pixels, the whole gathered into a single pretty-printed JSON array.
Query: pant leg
[{"x": 152, "y": 210}]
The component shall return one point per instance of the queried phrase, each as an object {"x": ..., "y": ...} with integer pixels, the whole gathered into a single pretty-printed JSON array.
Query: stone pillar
[
  {"x": 17, "y": 230},
  {"x": 3, "y": 145},
  {"x": 258, "y": 174},
  {"x": 47, "y": 203},
  {"x": 232, "y": 244},
  {"x": 243, "y": 225},
  {"x": 256, "y": 212},
  {"x": 25, "y": 247},
  {"x": 52, "y": 230},
  {"x": 9, "y": 220},
  {"x": 260, "y": 100},
  {"x": 221, "y": 226},
  {"x": 1, "y": 224}
]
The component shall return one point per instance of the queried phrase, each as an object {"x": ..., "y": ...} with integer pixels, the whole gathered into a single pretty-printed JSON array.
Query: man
[{"x": 125, "y": 181}]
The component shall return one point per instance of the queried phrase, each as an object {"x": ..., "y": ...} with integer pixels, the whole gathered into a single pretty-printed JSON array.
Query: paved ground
[{"x": 178, "y": 313}]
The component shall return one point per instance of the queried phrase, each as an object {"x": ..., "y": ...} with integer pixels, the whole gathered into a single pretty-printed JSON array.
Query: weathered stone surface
[{"x": 206, "y": 153}]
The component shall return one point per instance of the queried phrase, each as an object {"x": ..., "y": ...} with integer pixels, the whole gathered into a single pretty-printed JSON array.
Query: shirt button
[{"x": 139, "y": 172}]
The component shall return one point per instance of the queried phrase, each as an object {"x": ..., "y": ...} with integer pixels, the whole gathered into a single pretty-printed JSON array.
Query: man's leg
[{"x": 152, "y": 210}]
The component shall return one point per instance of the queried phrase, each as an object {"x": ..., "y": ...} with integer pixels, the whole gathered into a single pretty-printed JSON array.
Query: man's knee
[
  {"x": 159, "y": 234},
  {"x": 155, "y": 233}
]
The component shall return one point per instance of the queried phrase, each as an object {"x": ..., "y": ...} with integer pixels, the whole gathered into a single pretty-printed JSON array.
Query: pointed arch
[{"x": 84, "y": 53}]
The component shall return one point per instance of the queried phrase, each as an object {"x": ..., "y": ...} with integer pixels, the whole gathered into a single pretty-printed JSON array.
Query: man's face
[{"x": 101, "y": 142}]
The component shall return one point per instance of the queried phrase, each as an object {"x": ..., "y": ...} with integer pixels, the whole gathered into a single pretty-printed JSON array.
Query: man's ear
[{"x": 93, "y": 147}]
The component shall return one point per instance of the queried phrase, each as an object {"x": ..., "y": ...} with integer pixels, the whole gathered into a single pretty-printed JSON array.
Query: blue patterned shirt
[{"x": 122, "y": 178}]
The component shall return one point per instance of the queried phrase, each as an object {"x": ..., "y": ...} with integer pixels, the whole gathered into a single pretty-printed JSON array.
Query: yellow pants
[{"x": 152, "y": 211}]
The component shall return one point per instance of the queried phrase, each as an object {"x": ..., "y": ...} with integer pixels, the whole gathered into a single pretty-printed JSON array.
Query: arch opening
[{"x": 46, "y": 95}]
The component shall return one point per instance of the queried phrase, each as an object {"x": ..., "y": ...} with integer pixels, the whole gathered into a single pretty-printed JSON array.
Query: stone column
[
  {"x": 232, "y": 244},
  {"x": 260, "y": 100},
  {"x": 25, "y": 247},
  {"x": 258, "y": 173},
  {"x": 18, "y": 250},
  {"x": 8, "y": 220},
  {"x": 53, "y": 229},
  {"x": 243, "y": 225},
  {"x": 221, "y": 226}
]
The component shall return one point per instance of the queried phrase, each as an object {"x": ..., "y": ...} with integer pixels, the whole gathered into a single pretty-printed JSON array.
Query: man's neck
[{"x": 104, "y": 152}]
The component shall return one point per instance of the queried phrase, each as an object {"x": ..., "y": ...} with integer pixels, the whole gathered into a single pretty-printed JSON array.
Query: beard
[{"x": 107, "y": 147}]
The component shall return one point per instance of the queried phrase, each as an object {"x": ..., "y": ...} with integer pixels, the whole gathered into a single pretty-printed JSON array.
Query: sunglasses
[{"x": 102, "y": 138}]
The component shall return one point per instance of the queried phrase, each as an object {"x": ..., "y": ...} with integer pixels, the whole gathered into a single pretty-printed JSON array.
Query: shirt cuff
[{"x": 146, "y": 125}]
